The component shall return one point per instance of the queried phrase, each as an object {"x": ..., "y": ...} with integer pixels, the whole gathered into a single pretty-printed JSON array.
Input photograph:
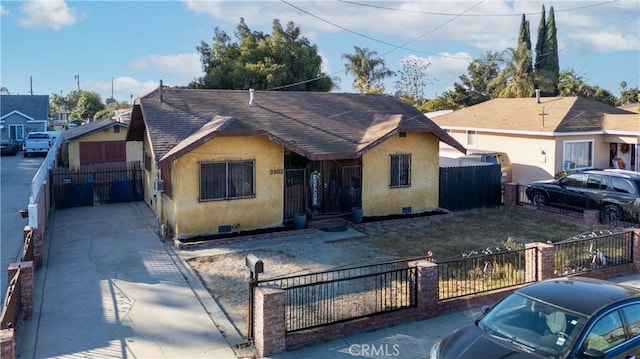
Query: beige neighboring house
[{"x": 548, "y": 135}]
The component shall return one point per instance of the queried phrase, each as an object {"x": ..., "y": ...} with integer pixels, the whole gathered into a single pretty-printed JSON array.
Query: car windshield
[{"x": 532, "y": 325}]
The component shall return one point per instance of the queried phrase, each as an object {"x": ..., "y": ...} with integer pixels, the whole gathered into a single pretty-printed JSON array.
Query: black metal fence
[
  {"x": 483, "y": 271},
  {"x": 593, "y": 250},
  {"x": 105, "y": 183},
  {"x": 463, "y": 188},
  {"x": 318, "y": 299}
]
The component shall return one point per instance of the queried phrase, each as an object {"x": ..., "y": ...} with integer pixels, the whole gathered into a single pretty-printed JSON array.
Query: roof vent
[
  {"x": 160, "y": 91},
  {"x": 252, "y": 103}
]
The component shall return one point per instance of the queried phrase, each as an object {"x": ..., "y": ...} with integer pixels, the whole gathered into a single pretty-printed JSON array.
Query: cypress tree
[
  {"x": 552, "y": 64},
  {"x": 524, "y": 45},
  {"x": 540, "y": 44}
]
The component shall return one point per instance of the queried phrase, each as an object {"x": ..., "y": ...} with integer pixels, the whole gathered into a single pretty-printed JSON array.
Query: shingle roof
[
  {"x": 34, "y": 106},
  {"x": 317, "y": 125},
  {"x": 552, "y": 114},
  {"x": 91, "y": 127}
]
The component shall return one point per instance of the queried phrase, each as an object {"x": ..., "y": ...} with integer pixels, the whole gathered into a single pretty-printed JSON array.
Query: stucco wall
[
  {"x": 104, "y": 135},
  {"x": 195, "y": 218},
  {"x": 526, "y": 152},
  {"x": 378, "y": 199}
]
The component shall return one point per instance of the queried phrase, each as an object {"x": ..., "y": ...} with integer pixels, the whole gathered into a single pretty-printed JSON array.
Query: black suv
[{"x": 615, "y": 193}]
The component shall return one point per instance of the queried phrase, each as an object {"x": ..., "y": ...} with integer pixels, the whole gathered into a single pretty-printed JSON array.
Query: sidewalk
[{"x": 109, "y": 288}]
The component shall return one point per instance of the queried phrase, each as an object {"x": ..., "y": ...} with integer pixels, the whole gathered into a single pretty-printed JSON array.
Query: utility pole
[
  {"x": 112, "y": 87},
  {"x": 77, "y": 77}
]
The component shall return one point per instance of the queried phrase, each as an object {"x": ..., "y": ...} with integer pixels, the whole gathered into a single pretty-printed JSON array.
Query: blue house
[{"x": 22, "y": 114}]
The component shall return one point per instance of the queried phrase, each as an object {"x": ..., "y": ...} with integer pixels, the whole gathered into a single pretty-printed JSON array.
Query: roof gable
[
  {"x": 551, "y": 114},
  {"x": 91, "y": 127},
  {"x": 16, "y": 113},
  {"x": 33, "y": 106},
  {"x": 317, "y": 125}
]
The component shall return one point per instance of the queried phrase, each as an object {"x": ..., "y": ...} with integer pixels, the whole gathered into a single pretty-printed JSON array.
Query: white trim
[
  {"x": 591, "y": 155},
  {"x": 473, "y": 136},
  {"x": 29, "y": 118},
  {"x": 540, "y": 133}
]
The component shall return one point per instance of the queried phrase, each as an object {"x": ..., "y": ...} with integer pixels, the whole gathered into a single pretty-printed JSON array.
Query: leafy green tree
[
  {"x": 4, "y": 91},
  {"x": 572, "y": 84},
  {"x": 110, "y": 110},
  {"x": 627, "y": 96},
  {"x": 88, "y": 105},
  {"x": 412, "y": 80},
  {"x": 281, "y": 60},
  {"x": 473, "y": 87},
  {"x": 446, "y": 101},
  {"x": 367, "y": 69}
]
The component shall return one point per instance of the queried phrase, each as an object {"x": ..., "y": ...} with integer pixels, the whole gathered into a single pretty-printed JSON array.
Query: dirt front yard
[{"x": 222, "y": 268}]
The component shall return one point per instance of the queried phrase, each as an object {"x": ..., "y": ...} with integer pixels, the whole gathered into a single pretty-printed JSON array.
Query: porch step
[{"x": 327, "y": 223}]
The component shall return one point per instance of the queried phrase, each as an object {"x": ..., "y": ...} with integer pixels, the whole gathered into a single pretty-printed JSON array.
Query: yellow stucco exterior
[
  {"x": 378, "y": 199},
  {"x": 107, "y": 134},
  {"x": 192, "y": 217},
  {"x": 188, "y": 217}
]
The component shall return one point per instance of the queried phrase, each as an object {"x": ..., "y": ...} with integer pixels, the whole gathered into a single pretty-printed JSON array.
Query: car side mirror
[{"x": 594, "y": 353}]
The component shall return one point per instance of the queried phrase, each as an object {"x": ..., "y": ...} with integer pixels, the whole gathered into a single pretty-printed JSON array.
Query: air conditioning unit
[{"x": 158, "y": 185}]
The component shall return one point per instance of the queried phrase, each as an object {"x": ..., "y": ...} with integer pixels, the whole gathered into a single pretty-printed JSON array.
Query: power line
[
  {"x": 369, "y": 37},
  {"x": 466, "y": 15}
]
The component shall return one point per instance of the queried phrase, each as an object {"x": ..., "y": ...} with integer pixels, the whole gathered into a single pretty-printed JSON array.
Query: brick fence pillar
[
  {"x": 541, "y": 262},
  {"x": 7, "y": 344},
  {"x": 427, "y": 288},
  {"x": 510, "y": 194},
  {"x": 269, "y": 326},
  {"x": 38, "y": 255},
  {"x": 26, "y": 288},
  {"x": 591, "y": 218},
  {"x": 636, "y": 249}
]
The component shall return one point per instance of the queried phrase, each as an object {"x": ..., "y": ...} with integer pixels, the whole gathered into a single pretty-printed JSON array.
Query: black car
[
  {"x": 9, "y": 147},
  {"x": 615, "y": 193},
  {"x": 559, "y": 318}
]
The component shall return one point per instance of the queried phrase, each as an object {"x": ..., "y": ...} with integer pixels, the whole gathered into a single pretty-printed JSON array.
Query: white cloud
[
  {"x": 486, "y": 26},
  {"x": 187, "y": 66},
  {"x": 3, "y": 11},
  {"x": 124, "y": 88},
  {"x": 52, "y": 14}
]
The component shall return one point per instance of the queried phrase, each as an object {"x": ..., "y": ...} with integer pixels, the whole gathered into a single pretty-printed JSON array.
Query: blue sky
[{"x": 131, "y": 45}]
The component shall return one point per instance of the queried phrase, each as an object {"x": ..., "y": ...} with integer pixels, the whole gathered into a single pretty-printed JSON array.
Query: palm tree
[
  {"x": 515, "y": 79},
  {"x": 367, "y": 69}
]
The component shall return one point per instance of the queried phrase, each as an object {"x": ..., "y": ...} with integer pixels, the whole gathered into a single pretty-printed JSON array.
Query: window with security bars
[
  {"x": 400, "y": 171},
  {"x": 227, "y": 180}
]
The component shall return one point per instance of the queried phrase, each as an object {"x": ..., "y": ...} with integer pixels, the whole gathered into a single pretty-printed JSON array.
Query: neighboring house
[
  {"x": 549, "y": 135},
  {"x": 101, "y": 141},
  {"x": 228, "y": 160},
  {"x": 22, "y": 114}
]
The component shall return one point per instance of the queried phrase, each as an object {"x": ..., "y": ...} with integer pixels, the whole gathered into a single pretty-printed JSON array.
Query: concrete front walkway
[{"x": 109, "y": 288}]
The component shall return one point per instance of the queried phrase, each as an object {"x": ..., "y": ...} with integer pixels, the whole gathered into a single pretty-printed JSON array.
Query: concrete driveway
[{"x": 110, "y": 288}]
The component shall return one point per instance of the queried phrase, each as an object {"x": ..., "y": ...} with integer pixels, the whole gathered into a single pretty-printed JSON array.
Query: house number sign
[{"x": 278, "y": 171}]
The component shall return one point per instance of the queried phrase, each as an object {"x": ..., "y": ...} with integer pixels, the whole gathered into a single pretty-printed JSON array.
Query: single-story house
[
  {"x": 547, "y": 135},
  {"x": 245, "y": 160},
  {"x": 101, "y": 141},
  {"x": 22, "y": 114}
]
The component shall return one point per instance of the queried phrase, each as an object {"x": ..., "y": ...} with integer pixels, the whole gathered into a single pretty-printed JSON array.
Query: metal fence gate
[{"x": 96, "y": 184}]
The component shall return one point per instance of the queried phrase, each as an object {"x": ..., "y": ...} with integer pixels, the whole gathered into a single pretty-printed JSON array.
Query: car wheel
[
  {"x": 611, "y": 213},
  {"x": 25, "y": 154},
  {"x": 539, "y": 199}
]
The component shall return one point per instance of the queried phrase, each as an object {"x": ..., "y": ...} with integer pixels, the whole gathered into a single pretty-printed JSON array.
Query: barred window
[
  {"x": 400, "y": 171},
  {"x": 227, "y": 180}
]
